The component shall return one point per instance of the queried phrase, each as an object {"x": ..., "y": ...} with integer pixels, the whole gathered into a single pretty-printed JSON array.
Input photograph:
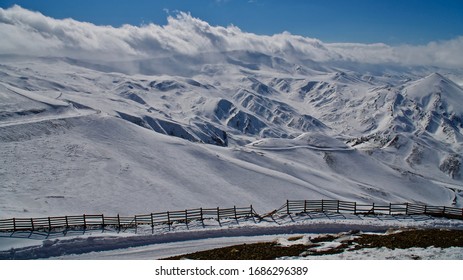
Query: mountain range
[
  {"x": 98, "y": 119},
  {"x": 228, "y": 129}
]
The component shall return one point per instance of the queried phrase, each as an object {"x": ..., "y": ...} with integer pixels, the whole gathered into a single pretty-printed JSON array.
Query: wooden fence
[
  {"x": 338, "y": 206},
  {"x": 186, "y": 216},
  {"x": 119, "y": 222}
]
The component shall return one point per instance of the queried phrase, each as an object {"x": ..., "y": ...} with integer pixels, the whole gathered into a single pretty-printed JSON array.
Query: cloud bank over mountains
[{"x": 25, "y": 32}]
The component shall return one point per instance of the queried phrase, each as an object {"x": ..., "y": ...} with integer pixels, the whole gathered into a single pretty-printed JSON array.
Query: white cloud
[
  {"x": 442, "y": 53},
  {"x": 26, "y": 32}
]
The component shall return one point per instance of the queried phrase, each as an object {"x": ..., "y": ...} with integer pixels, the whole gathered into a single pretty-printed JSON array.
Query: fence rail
[
  {"x": 90, "y": 221},
  {"x": 304, "y": 206},
  {"x": 200, "y": 214}
]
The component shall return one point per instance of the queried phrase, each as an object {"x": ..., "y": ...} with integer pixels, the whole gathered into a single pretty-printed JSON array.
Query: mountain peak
[
  {"x": 436, "y": 79},
  {"x": 435, "y": 75},
  {"x": 435, "y": 84}
]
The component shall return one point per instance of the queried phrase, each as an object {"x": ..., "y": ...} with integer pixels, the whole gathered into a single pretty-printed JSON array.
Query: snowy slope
[
  {"x": 138, "y": 119},
  {"x": 78, "y": 140}
]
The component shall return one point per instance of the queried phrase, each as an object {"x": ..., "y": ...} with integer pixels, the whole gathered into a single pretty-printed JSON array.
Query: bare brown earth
[{"x": 404, "y": 239}]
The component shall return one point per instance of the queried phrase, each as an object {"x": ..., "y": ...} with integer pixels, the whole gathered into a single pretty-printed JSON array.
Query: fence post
[
  {"x": 305, "y": 206},
  {"x": 136, "y": 225},
  {"x": 32, "y": 224},
  {"x": 49, "y": 224},
  {"x": 287, "y": 206},
  {"x": 218, "y": 216},
  {"x": 390, "y": 208},
  {"x": 443, "y": 211},
  {"x": 152, "y": 220},
  {"x": 337, "y": 209},
  {"x": 355, "y": 208},
  {"x": 67, "y": 223},
  {"x": 14, "y": 224},
  {"x": 102, "y": 220},
  {"x": 118, "y": 222},
  {"x": 85, "y": 222},
  {"x": 322, "y": 206},
  {"x": 253, "y": 215},
  {"x": 234, "y": 210},
  {"x": 186, "y": 216},
  {"x": 406, "y": 208},
  {"x": 168, "y": 219},
  {"x": 201, "y": 216},
  {"x": 425, "y": 209}
]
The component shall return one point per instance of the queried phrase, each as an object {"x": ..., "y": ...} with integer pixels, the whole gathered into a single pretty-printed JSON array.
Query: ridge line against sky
[
  {"x": 393, "y": 22},
  {"x": 26, "y": 32}
]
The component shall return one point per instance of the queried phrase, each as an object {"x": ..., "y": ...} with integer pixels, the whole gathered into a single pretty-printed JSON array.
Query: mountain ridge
[{"x": 255, "y": 128}]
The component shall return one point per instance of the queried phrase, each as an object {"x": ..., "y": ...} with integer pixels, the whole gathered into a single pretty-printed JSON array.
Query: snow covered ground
[
  {"x": 142, "y": 244},
  {"x": 430, "y": 253}
]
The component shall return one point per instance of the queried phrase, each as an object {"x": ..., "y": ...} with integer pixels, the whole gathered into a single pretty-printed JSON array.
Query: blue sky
[{"x": 392, "y": 22}]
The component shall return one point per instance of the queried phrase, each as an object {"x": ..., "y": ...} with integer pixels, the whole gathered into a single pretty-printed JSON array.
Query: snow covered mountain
[
  {"x": 224, "y": 127},
  {"x": 75, "y": 139}
]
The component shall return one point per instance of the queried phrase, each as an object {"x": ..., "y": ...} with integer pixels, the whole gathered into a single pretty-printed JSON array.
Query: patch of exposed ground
[{"x": 333, "y": 244}]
